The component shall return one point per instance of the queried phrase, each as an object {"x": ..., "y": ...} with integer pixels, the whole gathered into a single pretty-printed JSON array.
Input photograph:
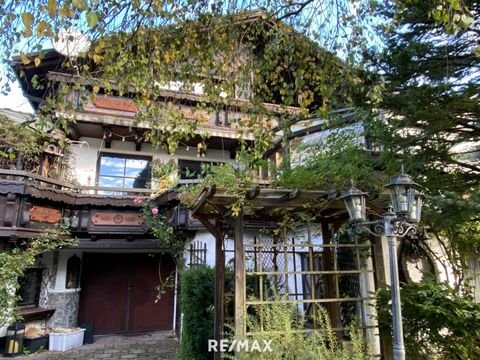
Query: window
[
  {"x": 191, "y": 169},
  {"x": 72, "y": 280},
  {"x": 118, "y": 171},
  {"x": 30, "y": 285}
]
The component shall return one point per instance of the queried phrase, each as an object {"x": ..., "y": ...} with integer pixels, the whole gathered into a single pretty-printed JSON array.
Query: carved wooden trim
[
  {"x": 117, "y": 219},
  {"x": 9, "y": 218}
]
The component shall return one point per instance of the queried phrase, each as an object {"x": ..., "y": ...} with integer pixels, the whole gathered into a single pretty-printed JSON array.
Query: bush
[
  {"x": 438, "y": 321},
  {"x": 197, "y": 299},
  {"x": 283, "y": 327}
]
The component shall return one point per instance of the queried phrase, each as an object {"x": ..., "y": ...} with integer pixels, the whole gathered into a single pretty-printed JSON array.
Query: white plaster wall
[
  {"x": 203, "y": 237},
  {"x": 86, "y": 152},
  {"x": 386, "y": 259},
  {"x": 443, "y": 269}
]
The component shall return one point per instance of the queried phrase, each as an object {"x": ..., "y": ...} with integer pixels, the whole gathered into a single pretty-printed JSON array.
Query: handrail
[
  {"x": 115, "y": 189},
  {"x": 77, "y": 188},
  {"x": 34, "y": 176},
  {"x": 83, "y": 189}
]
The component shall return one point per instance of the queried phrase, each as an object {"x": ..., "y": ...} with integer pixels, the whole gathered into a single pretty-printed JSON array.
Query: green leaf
[
  {"x": 92, "y": 19},
  {"x": 80, "y": 4}
]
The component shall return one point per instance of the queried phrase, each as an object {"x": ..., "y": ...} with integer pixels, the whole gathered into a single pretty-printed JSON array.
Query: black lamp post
[
  {"x": 398, "y": 221},
  {"x": 14, "y": 340}
]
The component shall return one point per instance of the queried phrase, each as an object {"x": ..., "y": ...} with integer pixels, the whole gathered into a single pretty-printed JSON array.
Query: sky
[{"x": 15, "y": 99}]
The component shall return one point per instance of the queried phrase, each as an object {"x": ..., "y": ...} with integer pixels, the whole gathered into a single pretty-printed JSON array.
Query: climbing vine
[
  {"x": 15, "y": 260},
  {"x": 236, "y": 182}
]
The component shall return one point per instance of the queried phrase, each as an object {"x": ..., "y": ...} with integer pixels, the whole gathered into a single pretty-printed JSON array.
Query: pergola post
[
  {"x": 330, "y": 283},
  {"x": 239, "y": 277},
  {"x": 216, "y": 231}
]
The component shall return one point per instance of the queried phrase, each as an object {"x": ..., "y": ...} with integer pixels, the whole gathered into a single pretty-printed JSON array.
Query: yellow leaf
[
  {"x": 96, "y": 89},
  {"x": 43, "y": 28},
  {"x": 25, "y": 59},
  {"x": 97, "y": 58},
  {"x": 27, "y": 19},
  {"x": 66, "y": 11},
  {"x": 37, "y": 61},
  {"x": 27, "y": 32},
  {"x": 52, "y": 8}
]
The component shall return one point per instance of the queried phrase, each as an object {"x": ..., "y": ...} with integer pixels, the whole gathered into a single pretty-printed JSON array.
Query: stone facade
[{"x": 66, "y": 305}]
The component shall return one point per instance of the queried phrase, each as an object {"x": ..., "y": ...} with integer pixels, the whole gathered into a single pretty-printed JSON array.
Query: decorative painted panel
[
  {"x": 45, "y": 214},
  {"x": 117, "y": 219}
]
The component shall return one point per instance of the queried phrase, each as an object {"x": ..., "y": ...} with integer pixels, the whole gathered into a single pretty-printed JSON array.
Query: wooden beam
[
  {"x": 240, "y": 283},
  {"x": 292, "y": 195},
  {"x": 253, "y": 193},
  {"x": 107, "y": 135},
  {"x": 216, "y": 231},
  {"x": 262, "y": 202},
  {"x": 330, "y": 283},
  {"x": 202, "y": 198},
  {"x": 213, "y": 229}
]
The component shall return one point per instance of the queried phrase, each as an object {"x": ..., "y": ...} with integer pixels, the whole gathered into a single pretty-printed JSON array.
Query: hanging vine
[{"x": 15, "y": 260}]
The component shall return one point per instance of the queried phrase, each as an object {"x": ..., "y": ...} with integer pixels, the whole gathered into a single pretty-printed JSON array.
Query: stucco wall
[{"x": 86, "y": 153}]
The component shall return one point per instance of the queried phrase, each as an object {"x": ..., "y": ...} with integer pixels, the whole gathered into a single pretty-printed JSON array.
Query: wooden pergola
[{"x": 264, "y": 208}]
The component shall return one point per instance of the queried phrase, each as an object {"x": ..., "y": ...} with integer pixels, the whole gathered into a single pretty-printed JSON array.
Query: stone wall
[{"x": 66, "y": 305}]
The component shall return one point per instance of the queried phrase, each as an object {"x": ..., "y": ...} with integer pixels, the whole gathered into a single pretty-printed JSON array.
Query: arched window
[{"x": 73, "y": 272}]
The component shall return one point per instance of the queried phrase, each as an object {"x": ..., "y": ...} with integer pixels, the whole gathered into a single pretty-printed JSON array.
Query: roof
[
  {"x": 268, "y": 204},
  {"x": 16, "y": 116}
]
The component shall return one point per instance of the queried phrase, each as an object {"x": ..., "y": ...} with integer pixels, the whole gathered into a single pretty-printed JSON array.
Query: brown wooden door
[{"x": 119, "y": 292}]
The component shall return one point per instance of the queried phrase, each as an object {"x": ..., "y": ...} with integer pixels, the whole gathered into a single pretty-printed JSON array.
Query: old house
[{"x": 111, "y": 278}]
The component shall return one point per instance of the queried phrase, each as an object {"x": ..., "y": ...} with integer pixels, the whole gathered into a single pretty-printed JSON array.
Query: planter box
[
  {"x": 36, "y": 344},
  {"x": 63, "y": 341}
]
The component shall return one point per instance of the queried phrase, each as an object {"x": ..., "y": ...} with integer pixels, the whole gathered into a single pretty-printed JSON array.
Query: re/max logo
[{"x": 239, "y": 345}]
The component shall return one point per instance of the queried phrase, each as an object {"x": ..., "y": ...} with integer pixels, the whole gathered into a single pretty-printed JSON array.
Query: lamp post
[{"x": 398, "y": 221}]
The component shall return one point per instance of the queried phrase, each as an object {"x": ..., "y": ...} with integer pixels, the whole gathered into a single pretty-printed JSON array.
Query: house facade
[{"x": 111, "y": 278}]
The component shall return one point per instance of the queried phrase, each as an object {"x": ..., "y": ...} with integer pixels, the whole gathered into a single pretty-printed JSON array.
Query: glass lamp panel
[
  {"x": 355, "y": 205},
  {"x": 411, "y": 194},
  {"x": 416, "y": 210},
  {"x": 400, "y": 199}
]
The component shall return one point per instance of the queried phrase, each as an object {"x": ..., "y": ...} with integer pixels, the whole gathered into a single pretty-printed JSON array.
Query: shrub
[
  {"x": 284, "y": 328},
  {"x": 438, "y": 321},
  {"x": 197, "y": 298}
]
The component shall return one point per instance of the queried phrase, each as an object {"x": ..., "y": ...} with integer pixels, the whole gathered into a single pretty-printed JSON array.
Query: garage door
[{"x": 119, "y": 292}]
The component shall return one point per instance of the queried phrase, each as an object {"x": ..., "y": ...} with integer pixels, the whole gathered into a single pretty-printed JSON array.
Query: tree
[
  {"x": 429, "y": 68},
  {"x": 139, "y": 47}
]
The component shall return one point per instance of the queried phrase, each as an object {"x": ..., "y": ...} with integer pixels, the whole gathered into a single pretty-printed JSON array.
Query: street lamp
[{"x": 398, "y": 221}]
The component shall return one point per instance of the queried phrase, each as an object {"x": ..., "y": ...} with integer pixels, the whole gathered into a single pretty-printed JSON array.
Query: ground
[{"x": 161, "y": 345}]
